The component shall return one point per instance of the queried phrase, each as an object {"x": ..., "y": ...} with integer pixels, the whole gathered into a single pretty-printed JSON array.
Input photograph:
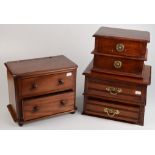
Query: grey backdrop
[{"x": 76, "y": 42}]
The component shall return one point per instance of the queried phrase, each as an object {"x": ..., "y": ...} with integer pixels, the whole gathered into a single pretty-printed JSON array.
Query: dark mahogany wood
[
  {"x": 41, "y": 87},
  {"x": 125, "y": 34},
  {"x": 116, "y": 80},
  {"x": 132, "y": 49},
  {"x": 119, "y": 111},
  {"x": 47, "y": 105},
  {"x": 129, "y": 67},
  {"x": 97, "y": 96},
  {"x": 129, "y": 47}
]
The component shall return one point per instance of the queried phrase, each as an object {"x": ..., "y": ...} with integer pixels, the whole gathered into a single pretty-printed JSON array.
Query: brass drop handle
[
  {"x": 34, "y": 85},
  {"x": 62, "y": 103},
  {"x": 61, "y": 82},
  {"x": 111, "y": 112},
  {"x": 113, "y": 90},
  {"x": 120, "y": 47},
  {"x": 118, "y": 64},
  {"x": 35, "y": 109}
]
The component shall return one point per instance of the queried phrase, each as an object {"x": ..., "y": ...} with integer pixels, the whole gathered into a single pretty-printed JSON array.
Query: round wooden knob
[
  {"x": 35, "y": 109},
  {"x": 61, "y": 82},
  {"x": 62, "y": 103},
  {"x": 34, "y": 86}
]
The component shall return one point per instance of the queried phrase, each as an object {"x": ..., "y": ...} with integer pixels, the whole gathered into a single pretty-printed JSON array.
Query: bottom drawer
[
  {"x": 47, "y": 105},
  {"x": 111, "y": 110}
]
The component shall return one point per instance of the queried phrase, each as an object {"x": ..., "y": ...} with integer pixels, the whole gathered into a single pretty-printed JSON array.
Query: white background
[
  {"x": 76, "y": 42},
  {"x": 77, "y": 142}
]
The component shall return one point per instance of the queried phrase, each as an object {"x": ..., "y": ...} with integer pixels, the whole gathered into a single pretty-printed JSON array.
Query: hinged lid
[
  {"x": 116, "y": 33},
  {"x": 40, "y": 65}
]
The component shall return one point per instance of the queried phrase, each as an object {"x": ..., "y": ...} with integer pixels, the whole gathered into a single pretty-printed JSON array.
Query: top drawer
[
  {"x": 120, "y": 92},
  {"x": 120, "y": 47},
  {"x": 46, "y": 84}
]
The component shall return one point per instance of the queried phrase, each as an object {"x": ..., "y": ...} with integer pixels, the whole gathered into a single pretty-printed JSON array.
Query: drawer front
[
  {"x": 115, "y": 65},
  {"x": 48, "y": 105},
  {"x": 112, "y": 110},
  {"x": 44, "y": 84},
  {"x": 134, "y": 95},
  {"x": 121, "y": 47}
]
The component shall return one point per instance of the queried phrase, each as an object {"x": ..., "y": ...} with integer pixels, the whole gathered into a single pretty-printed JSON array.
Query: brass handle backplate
[
  {"x": 118, "y": 64},
  {"x": 113, "y": 90},
  {"x": 120, "y": 47},
  {"x": 111, "y": 112}
]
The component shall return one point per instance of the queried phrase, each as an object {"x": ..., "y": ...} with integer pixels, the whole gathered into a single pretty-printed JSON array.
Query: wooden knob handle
[
  {"x": 61, "y": 82},
  {"x": 34, "y": 86},
  {"x": 35, "y": 109},
  {"x": 62, "y": 103}
]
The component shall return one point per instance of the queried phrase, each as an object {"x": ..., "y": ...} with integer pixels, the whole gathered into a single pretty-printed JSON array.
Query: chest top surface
[
  {"x": 126, "y": 34},
  {"x": 40, "y": 65}
]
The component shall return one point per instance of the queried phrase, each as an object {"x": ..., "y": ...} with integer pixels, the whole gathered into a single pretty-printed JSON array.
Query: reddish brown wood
[
  {"x": 46, "y": 84},
  {"x": 127, "y": 95},
  {"x": 40, "y": 83},
  {"x": 133, "y": 49},
  {"x": 124, "y": 34},
  {"x": 117, "y": 78},
  {"x": 48, "y": 105},
  {"x": 146, "y": 80},
  {"x": 133, "y": 53},
  {"x": 126, "y": 113},
  {"x": 129, "y": 67},
  {"x": 40, "y": 65},
  {"x": 95, "y": 91}
]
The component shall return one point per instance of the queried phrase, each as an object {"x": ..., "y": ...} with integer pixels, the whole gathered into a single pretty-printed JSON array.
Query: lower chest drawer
[
  {"x": 111, "y": 110},
  {"x": 116, "y": 91},
  {"x": 48, "y": 105},
  {"x": 119, "y": 66}
]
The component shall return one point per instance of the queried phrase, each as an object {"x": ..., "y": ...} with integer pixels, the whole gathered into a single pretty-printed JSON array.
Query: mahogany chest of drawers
[
  {"x": 120, "y": 52},
  {"x": 41, "y": 87},
  {"x": 116, "y": 97},
  {"x": 116, "y": 80}
]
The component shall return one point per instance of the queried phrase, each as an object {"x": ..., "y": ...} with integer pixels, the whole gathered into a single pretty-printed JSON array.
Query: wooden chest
[
  {"x": 116, "y": 97},
  {"x": 41, "y": 88},
  {"x": 120, "y": 52}
]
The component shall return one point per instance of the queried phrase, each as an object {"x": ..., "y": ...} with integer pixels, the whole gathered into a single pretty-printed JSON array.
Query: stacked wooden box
[{"x": 116, "y": 80}]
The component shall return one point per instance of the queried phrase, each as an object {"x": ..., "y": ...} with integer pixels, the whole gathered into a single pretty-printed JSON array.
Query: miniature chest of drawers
[
  {"x": 116, "y": 80},
  {"x": 116, "y": 97},
  {"x": 41, "y": 88},
  {"x": 120, "y": 51}
]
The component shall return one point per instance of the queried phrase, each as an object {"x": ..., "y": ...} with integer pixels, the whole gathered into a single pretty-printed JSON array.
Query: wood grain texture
[
  {"x": 40, "y": 83},
  {"x": 124, "y": 34},
  {"x": 132, "y": 68},
  {"x": 129, "y": 93},
  {"x": 47, "y": 84},
  {"x": 131, "y": 48},
  {"x": 97, "y": 98},
  {"x": 47, "y": 105},
  {"x": 126, "y": 113},
  {"x": 145, "y": 80},
  {"x": 116, "y": 80},
  {"x": 40, "y": 65}
]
